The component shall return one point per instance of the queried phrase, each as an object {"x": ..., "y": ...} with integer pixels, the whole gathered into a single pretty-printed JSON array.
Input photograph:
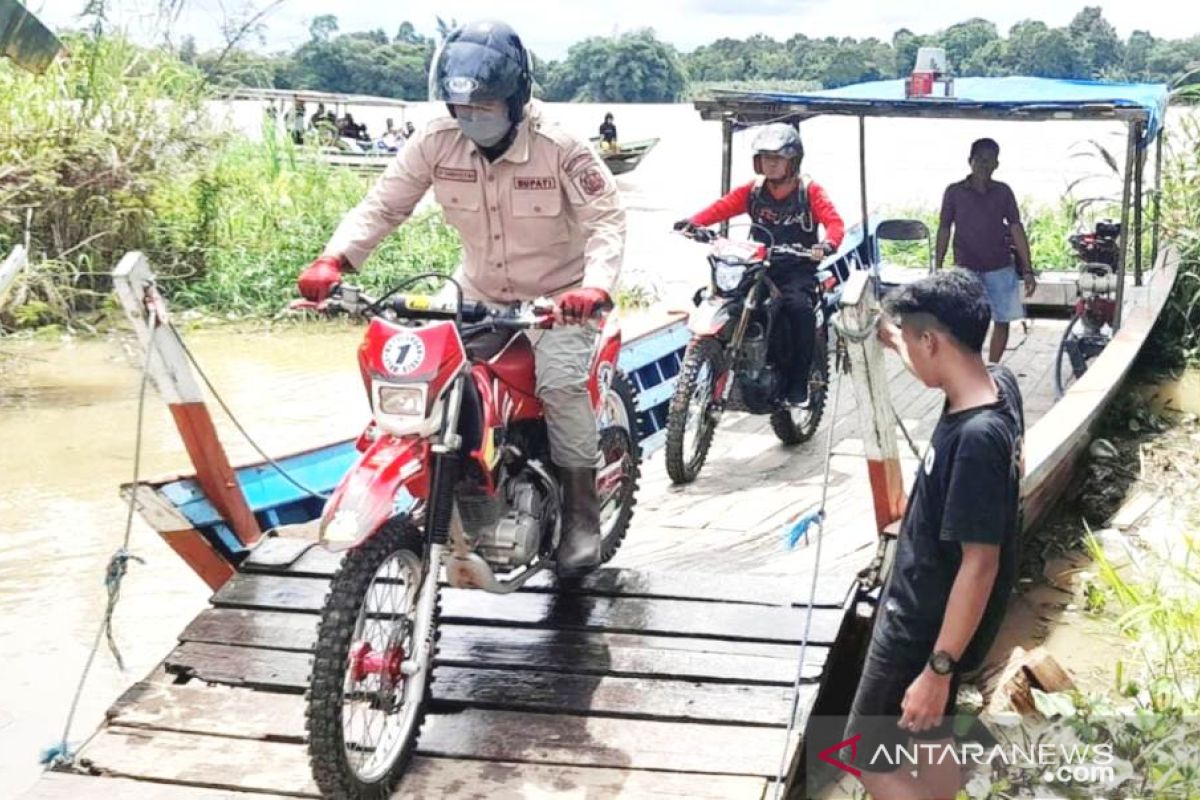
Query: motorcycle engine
[
  {"x": 506, "y": 530},
  {"x": 757, "y": 385},
  {"x": 758, "y": 393}
]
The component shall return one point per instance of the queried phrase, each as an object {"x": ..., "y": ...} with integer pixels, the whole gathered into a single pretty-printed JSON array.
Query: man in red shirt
[{"x": 789, "y": 210}]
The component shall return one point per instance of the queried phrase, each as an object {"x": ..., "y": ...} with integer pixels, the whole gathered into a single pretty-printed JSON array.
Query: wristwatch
[{"x": 942, "y": 663}]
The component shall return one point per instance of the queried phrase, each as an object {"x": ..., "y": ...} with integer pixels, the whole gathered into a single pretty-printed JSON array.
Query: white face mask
[{"x": 484, "y": 127}]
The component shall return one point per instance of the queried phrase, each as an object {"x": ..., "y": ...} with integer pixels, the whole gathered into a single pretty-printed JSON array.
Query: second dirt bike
[
  {"x": 455, "y": 470},
  {"x": 727, "y": 364}
]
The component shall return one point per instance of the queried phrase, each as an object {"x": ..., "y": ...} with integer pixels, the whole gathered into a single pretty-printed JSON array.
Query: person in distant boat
[
  {"x": 324, "y": 125},
  {"x": 318, "y": 117},
  {"x": 392, "y": 137},
  {"x": 608, "y": 134},
  {"x": 295, "y": 121},
  {"x": 349, "y": 129},
  {"x": 539, "y": 215},
  {"x": 956, "y": 556},
  {"x": 409, "y": 130},
  {"x": 987, "y": 234},
  {"x": 787, "y": 210}
]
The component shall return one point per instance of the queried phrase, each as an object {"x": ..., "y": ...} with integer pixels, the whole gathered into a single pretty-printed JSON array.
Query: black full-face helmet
[
  {"x": 482, "y": 61},
  {"x": 778, "y": 139}
]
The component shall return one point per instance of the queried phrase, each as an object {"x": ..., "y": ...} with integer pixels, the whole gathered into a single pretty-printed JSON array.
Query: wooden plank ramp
[
  {"x": 642, "y": 681},
  {"x": 629, "y": 684}
]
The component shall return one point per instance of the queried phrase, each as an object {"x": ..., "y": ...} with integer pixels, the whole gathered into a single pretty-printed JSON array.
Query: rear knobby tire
[
  {"x": 349, "y": 772},
  {"x": 702, "y": 363}
]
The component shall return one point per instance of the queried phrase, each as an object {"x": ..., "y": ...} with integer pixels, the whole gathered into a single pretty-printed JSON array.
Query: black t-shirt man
[{"x": 966, "y": 491}]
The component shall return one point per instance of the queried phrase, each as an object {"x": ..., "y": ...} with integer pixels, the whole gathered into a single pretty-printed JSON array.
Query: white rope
[
  {"x": 61, "y": 754},
  {"x": 812, "y": 592}
]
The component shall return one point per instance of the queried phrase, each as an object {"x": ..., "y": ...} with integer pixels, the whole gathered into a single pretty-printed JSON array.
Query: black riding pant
[{"x": 794, "y": 335}]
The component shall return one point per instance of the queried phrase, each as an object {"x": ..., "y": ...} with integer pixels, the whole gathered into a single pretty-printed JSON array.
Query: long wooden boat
[
  {"x": 627, "y": 155},
  {"x": 669, "y": 672}
]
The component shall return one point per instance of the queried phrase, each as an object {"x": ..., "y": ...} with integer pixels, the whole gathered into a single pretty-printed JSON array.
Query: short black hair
[
  {"x": 952, "y": 298},
  {"x": 984, "y": 144}
]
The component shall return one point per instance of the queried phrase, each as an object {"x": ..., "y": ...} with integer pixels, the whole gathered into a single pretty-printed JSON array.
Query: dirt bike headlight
[
  {"x": 402, "y": 401},
  {"x": 728, "y": 277}
]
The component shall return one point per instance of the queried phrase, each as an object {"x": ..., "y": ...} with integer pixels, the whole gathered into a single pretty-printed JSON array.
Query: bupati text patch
[{"x": 547, "y": 183}]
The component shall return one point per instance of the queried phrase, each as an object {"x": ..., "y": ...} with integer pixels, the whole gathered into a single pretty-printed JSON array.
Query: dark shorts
[{"x": 876, "y": 710}]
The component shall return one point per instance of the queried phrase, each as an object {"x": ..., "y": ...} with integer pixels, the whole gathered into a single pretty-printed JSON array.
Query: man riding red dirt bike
[
  {"x": 490, "y": 422},
  {"x": 768, "y": 332}
]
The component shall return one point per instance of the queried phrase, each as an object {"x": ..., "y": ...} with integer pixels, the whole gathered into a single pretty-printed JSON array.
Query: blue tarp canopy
[{"x": 992, "y": 98}]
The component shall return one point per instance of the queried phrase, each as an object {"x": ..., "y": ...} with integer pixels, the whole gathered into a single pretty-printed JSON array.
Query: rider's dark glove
[{"x": 683, "y": 225}]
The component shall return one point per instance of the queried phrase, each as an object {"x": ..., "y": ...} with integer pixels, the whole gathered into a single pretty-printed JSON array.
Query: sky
[{"x": 550, "y": 27}]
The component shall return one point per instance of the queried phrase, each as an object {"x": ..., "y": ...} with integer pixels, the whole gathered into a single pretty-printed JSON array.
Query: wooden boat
[
  {"x": 670, "y": 671},
  {"x": 627, "y": 155},
  {"x": 348, "y": 153}
]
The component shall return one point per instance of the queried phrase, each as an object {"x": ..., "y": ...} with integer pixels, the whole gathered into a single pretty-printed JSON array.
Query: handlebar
[
  {"x": 347, "y": 299},
  {"x": 475, "y": 316},
  {"x": 697, "y": 234},
  {"x": 708, "y": 236}
]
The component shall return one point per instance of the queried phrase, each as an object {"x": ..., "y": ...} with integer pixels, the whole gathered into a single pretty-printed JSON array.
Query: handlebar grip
[{"x": 421, "y": 306}]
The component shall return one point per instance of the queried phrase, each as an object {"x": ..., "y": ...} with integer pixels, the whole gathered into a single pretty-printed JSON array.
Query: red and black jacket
[{"x": 792, "y": 219}]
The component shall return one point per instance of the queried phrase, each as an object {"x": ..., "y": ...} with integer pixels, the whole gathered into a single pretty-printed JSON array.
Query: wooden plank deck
[{"x": 667, "y": 674}]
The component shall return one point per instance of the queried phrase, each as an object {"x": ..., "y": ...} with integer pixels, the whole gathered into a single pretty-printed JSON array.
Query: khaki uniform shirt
[{"x": 542, "y": 218}]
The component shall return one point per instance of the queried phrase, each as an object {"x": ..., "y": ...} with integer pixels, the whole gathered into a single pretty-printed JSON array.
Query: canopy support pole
[
  {"x": 726, "y": 163},
  {"x": 862, "y": 171},
  {"x": 1158, "y": 148},
  {"x": 1139, "y": 167},
  {"x": 1127, "y": 181}
]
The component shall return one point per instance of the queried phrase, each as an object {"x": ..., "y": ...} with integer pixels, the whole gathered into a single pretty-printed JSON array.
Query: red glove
[
  {"x": 319, "y": 278},
  {"x": 580, "y": 305}
]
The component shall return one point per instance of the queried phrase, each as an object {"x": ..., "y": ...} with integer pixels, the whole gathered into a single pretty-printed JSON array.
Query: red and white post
[{"x": 172, "y": 376}]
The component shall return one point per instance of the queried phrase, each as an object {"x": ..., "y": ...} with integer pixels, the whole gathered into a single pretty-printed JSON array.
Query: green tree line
[{"x": 639, "y": 67}]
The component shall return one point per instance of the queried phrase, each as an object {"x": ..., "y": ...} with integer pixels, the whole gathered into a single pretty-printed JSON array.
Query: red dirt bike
[
  {"x": 455, "y": 470},
  {"x": 1092, "y": 323}
]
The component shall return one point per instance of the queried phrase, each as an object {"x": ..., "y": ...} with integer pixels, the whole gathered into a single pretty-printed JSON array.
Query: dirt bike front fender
[
  {"x": 710, "y": 318},
  {"x": 388, "y": 480}
]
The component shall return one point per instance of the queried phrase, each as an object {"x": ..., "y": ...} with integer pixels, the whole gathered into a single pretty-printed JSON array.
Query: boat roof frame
[
  {"x": 736, "y": 110},
  {"x": 251, "y": 93},
  {"x": 749, "y": 110}
]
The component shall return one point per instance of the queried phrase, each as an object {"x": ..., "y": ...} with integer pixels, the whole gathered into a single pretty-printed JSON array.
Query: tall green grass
[
  {"x": 261, "y": 212},
  {"x": 1046, "y": 226},
  {"x": 84, "y": 149},
  {"x": 1176, "y": 338},
  {"x": 113, "y": 150}
]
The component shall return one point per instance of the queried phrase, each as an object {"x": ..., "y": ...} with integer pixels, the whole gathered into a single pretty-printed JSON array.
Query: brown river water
[{"x": 68, "y": 408}]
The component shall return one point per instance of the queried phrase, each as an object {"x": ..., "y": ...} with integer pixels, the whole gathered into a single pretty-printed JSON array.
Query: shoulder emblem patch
[{"x": 593, "y": 181}]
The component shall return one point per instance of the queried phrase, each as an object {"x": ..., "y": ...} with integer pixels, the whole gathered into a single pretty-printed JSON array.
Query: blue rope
[
  {"x": 800, "y": 528},
  {"x": 117, "y": 566}
]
